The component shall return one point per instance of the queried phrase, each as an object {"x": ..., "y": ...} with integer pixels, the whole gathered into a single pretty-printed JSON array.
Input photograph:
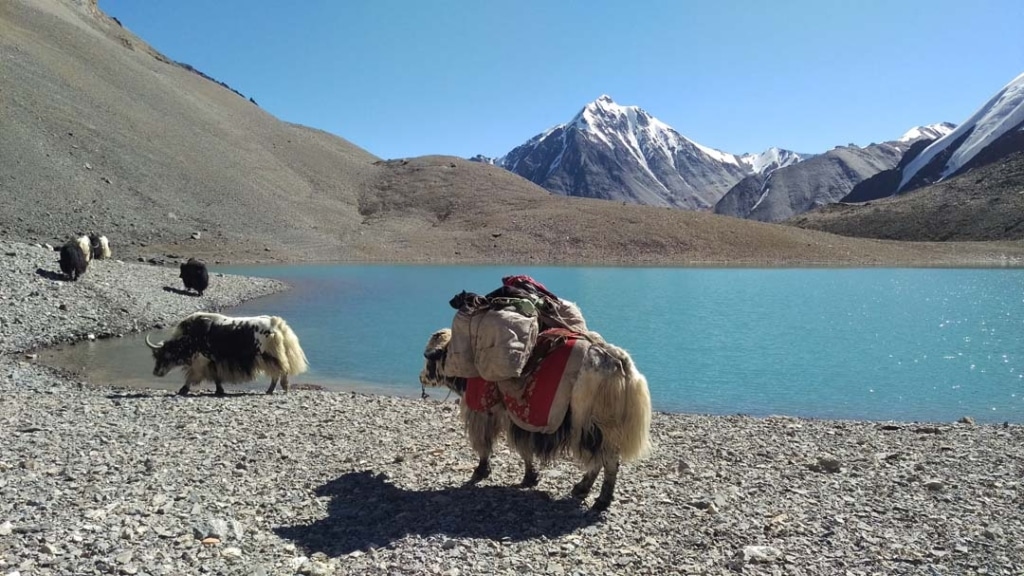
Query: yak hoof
[
  {"x": 600, "y": 505},
  {"x": 183, "y": 391},
  {"x": 530, "y": 479},
  {"x": 482, "y": 472},
  {"x": 580, "y": 492}
]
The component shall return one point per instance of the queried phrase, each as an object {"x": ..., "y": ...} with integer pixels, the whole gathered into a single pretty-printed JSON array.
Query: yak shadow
[
  {"x": 367, "y": 511},
  {"x": 135, "y": 395},
  {"x": 169, "y": 394},
  {"x": 51, "y": 275},
  {"x": 180, "y": 291}
]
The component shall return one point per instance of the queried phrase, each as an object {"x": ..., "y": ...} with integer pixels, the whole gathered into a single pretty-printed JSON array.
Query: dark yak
[
  {"x": 73, "y": 261},
  {"x": 194, "y": 275}
]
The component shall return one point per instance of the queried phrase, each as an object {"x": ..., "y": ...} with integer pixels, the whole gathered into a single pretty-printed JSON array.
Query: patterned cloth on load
[{"x": 537, "y": 401}]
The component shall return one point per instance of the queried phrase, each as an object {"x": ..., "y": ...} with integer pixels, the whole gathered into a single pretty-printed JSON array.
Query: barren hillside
[{"x": 982, "y": 205}]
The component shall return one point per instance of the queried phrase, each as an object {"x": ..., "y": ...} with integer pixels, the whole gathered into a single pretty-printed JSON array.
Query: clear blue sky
[{"x": 412, "y": 77}]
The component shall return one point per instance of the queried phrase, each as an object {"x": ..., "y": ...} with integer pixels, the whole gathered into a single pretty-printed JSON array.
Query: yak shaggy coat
[
  {"x": 72, "y": 260},
  {"x": 608, "y": 420},
  {"x": 224, "y": 349}
]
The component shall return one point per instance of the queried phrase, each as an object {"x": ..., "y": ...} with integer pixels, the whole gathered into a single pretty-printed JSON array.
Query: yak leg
[
  {"x": 284, "y": 383},
  {"x": 482, "y": 470},
  {"x": 611, "y": 473},
  {"x": 530, "y": 477},
  {"x": 582, "y": 488},
  {"x": 183, "y": 391},
  {"x": 273, "y": 384},
  {"x": 220, "y": 388},
  {"x": 482, "y": 429}
]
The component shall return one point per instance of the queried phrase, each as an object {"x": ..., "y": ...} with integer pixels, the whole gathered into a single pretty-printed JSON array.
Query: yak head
[
  {"x": 166, "y": 355},
  {"x": 435, "y": 354}
]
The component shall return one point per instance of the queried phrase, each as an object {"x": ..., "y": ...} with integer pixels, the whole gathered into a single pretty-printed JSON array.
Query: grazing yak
[
  {"x": 223, "y": 349},
  {"x": 73, "y": 261},
  {"x": 194, "y": 275},
  {"x": 598, "y": 408}
]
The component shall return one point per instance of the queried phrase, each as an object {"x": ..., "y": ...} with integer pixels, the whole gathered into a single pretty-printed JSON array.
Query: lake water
[{"x": 876, "y": 344}]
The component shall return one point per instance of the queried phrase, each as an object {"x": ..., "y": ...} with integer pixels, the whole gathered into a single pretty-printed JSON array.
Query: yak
[
  {"x": 194, "y": 276},
  {"x": 99, "y": 247},
  {"x": 224, "y": 349},
  {"x": 606, "y": 403},
  {"x": 73, "y": 261}
]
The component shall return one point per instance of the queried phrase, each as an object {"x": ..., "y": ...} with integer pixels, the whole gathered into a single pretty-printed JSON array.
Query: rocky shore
[{"x": 96, "y": 480}]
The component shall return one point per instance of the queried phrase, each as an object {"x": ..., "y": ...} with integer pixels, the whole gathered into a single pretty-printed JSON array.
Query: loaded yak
[
  {"x": 194, "y": 275},
  {"x": 223, "y": 349},
  {"x": 593, "y": 405}
]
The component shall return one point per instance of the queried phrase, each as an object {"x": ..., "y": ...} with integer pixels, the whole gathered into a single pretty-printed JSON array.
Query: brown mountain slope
[
  {"x": 443, "y": 208},
  {"x": 986, "y": 203},
  {"x": 101, "y": 133}
]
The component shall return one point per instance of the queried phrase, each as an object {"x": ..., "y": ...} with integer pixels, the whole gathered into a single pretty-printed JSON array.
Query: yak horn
[{"x": 153, "y": 346}]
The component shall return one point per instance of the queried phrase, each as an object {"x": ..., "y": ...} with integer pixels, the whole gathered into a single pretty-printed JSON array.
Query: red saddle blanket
[{"x": 538, "y": 401}]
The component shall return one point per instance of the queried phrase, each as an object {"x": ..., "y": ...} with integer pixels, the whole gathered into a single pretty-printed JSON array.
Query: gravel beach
[{"x": 98, "y": 480}]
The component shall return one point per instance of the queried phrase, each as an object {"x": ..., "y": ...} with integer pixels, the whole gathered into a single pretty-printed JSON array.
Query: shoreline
[{"x": 95, "y": 480}]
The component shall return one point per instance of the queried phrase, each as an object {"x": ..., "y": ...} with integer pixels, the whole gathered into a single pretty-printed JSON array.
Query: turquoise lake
[
  {"x": 866, "y": 344},
  {"x": 875, "y": 344}
]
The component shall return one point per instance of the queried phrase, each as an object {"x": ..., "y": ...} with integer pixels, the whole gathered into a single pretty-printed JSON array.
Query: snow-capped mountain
[
  {"x": 990, "y": 133},
  {"x": 819, "y": 180},
  {"x": 930, "y": 132},
  {"x": 622, "y": 153},
  {"x": 772, "y": 159}
]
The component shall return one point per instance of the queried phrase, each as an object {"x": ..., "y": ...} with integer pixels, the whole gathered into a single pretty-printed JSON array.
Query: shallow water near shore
[{"x": 874, "y": 344}]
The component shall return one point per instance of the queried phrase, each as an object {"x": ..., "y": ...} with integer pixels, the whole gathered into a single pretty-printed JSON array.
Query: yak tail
[
  {"x": 287, "y": 349},
  {"x": 612, "y": 395}
]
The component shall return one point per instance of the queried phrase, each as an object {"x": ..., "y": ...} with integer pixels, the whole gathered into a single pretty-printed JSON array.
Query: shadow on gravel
[
  {"x": 50, "y": 274},
  {"x": 368, "y": 511},
  {"x": 169, "y": 394},
  {"x": 181, "y": 292}
]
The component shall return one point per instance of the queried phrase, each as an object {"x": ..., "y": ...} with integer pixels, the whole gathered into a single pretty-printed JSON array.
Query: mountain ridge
[
  {"x": 967, "y": 185},
  {"x": 623, "y": 153}
]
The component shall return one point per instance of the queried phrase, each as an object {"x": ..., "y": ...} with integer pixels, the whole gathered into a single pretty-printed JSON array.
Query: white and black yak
[
  {"x": 194, "y": 276},
  {"x": 598, "y": 408},
  {"x": 227, "y": 350},
  {"x": 99, "y": 247},
  {"x": 73, "y": 261},
  {"x": 94, "y": 246}
]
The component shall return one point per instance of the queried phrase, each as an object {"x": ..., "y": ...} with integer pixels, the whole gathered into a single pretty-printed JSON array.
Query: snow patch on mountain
[
  {"x": 1001, "y": 114},
  {"x": 931, "y": 131}
]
